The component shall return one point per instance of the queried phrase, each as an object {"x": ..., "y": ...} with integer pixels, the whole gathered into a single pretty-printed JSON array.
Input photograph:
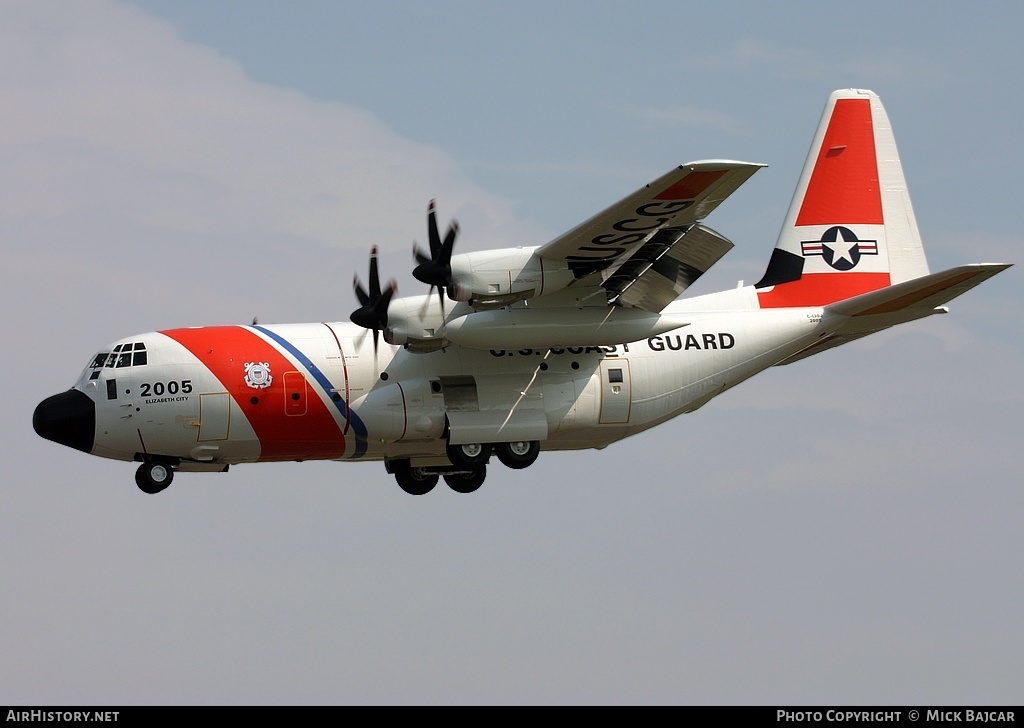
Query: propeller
[
  {"x": 373, "y": 311},
  {"x": 435, "y": 269}
]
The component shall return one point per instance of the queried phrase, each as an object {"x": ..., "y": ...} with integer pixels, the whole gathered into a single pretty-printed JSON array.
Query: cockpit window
[
  {"x": 99, "y": 360},
  {"x": 123, "y": 355}
]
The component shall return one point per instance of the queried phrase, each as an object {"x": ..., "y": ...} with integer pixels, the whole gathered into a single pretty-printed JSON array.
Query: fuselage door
[
  {"x": 214, "y": 413},
  {"x": 615, "y": 391}
]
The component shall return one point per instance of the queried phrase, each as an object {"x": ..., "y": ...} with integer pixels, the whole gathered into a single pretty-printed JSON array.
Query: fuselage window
[{"x": 614, "y": 375}]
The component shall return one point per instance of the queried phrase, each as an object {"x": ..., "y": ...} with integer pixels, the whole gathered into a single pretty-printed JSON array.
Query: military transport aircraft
[{"x": 571, "y": 345}]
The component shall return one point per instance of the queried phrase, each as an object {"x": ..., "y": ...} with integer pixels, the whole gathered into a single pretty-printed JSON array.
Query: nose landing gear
[{"x": 153, "y": 476}]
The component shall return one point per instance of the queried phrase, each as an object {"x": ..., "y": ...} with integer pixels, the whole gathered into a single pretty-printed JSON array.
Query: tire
[
  {"x": 469, "y": 455},
  {"x": 154, "y": 476},
  {"x": 517, "y": 455},
  {"x": 466, "y": 482},
  {"x": 414, "y": 481}
]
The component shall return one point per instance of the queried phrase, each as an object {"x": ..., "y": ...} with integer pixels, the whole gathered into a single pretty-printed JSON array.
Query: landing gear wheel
[
  {"x": 414, "y": 481},
  {"x": 154, "y": 476},
  {"x": 469, "y": 455},
  {"x": 517, "y": 455},
  {"x": 466, "y": 482}
]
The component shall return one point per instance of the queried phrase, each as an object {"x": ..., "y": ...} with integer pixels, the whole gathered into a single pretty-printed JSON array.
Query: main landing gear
[
  {"x": 468, "y": 481},
  {"x": 468, "y": 467},
  {"x": 414, "y": 481},
  {"x": 420, "y": 481},
  {"x": 518, "y": 455}
]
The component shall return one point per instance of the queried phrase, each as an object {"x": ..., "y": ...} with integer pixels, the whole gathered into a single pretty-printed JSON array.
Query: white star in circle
[{"x": 841, "y": 248}]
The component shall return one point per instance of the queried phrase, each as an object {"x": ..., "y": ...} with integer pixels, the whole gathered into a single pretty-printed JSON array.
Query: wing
[
  {"x": 664, "y": 266},
  {"x": 647, "y": 248}
]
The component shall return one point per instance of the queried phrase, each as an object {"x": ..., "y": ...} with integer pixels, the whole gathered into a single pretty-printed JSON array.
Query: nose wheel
[{"x": 154, "y": 476}]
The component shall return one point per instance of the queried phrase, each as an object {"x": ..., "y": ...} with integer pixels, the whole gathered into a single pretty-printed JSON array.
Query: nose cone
[{"x": 68, "y": 418}]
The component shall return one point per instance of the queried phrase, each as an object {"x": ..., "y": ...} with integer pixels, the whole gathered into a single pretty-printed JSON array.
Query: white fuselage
[{"x": 223, "y": 395}]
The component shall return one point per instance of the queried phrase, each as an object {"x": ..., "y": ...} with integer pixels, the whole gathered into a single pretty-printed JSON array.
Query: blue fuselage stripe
[{"x": 358, "y": 427}]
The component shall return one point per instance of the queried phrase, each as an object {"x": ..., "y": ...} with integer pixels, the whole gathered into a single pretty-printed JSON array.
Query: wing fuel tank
[{"x": 522, "y": 328}]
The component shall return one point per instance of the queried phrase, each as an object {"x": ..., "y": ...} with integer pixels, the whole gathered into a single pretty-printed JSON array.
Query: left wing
[
  {"x": 664, "y": 266},
  {"x": 676, "y": 201}
]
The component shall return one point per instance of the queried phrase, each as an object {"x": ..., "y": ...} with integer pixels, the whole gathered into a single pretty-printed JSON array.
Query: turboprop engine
[
  {"x": 492, "y": 292},
  {"x": 489, "y": 279},
  {"x": 496, "y": 278}
]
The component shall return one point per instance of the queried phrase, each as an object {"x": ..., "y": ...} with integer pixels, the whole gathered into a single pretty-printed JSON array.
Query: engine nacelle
[
  {"x": 540, "y": 328},
  {"x": 402, "y": 411},
  {"x": 496, "y": 278},
  {"x": 416, "y": 322}
]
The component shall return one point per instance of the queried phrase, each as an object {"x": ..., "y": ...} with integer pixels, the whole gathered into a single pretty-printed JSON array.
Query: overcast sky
[{"x": 843, "y": 530}]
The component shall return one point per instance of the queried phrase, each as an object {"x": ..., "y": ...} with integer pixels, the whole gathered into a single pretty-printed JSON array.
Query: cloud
[
  {"x": 108, "y": 112},
  {"x": 132, "y": 156}
]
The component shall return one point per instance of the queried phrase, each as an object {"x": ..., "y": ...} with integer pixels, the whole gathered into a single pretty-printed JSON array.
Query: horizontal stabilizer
[
  {"x": 925, "y": 292},
  {"x": 877, "y": 310}
]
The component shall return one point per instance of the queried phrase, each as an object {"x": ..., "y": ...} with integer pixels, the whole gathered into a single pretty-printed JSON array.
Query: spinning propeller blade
[
  {"x": 435, "y": 269},
  {"x": 373, "y": 311}
]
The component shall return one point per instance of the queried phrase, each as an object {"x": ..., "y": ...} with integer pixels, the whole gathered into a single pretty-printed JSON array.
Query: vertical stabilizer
[{"x": 850, "y": 228}]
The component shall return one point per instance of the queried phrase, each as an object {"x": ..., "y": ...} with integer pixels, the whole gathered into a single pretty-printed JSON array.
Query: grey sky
[{"x": 843, "y": 530}]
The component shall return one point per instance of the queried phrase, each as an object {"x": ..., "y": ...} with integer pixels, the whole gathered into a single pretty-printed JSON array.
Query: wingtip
[{"x": 720, "y": 164}]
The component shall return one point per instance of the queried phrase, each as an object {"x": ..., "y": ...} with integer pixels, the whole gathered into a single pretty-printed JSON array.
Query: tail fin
[{"x": 850, "y": 228}]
